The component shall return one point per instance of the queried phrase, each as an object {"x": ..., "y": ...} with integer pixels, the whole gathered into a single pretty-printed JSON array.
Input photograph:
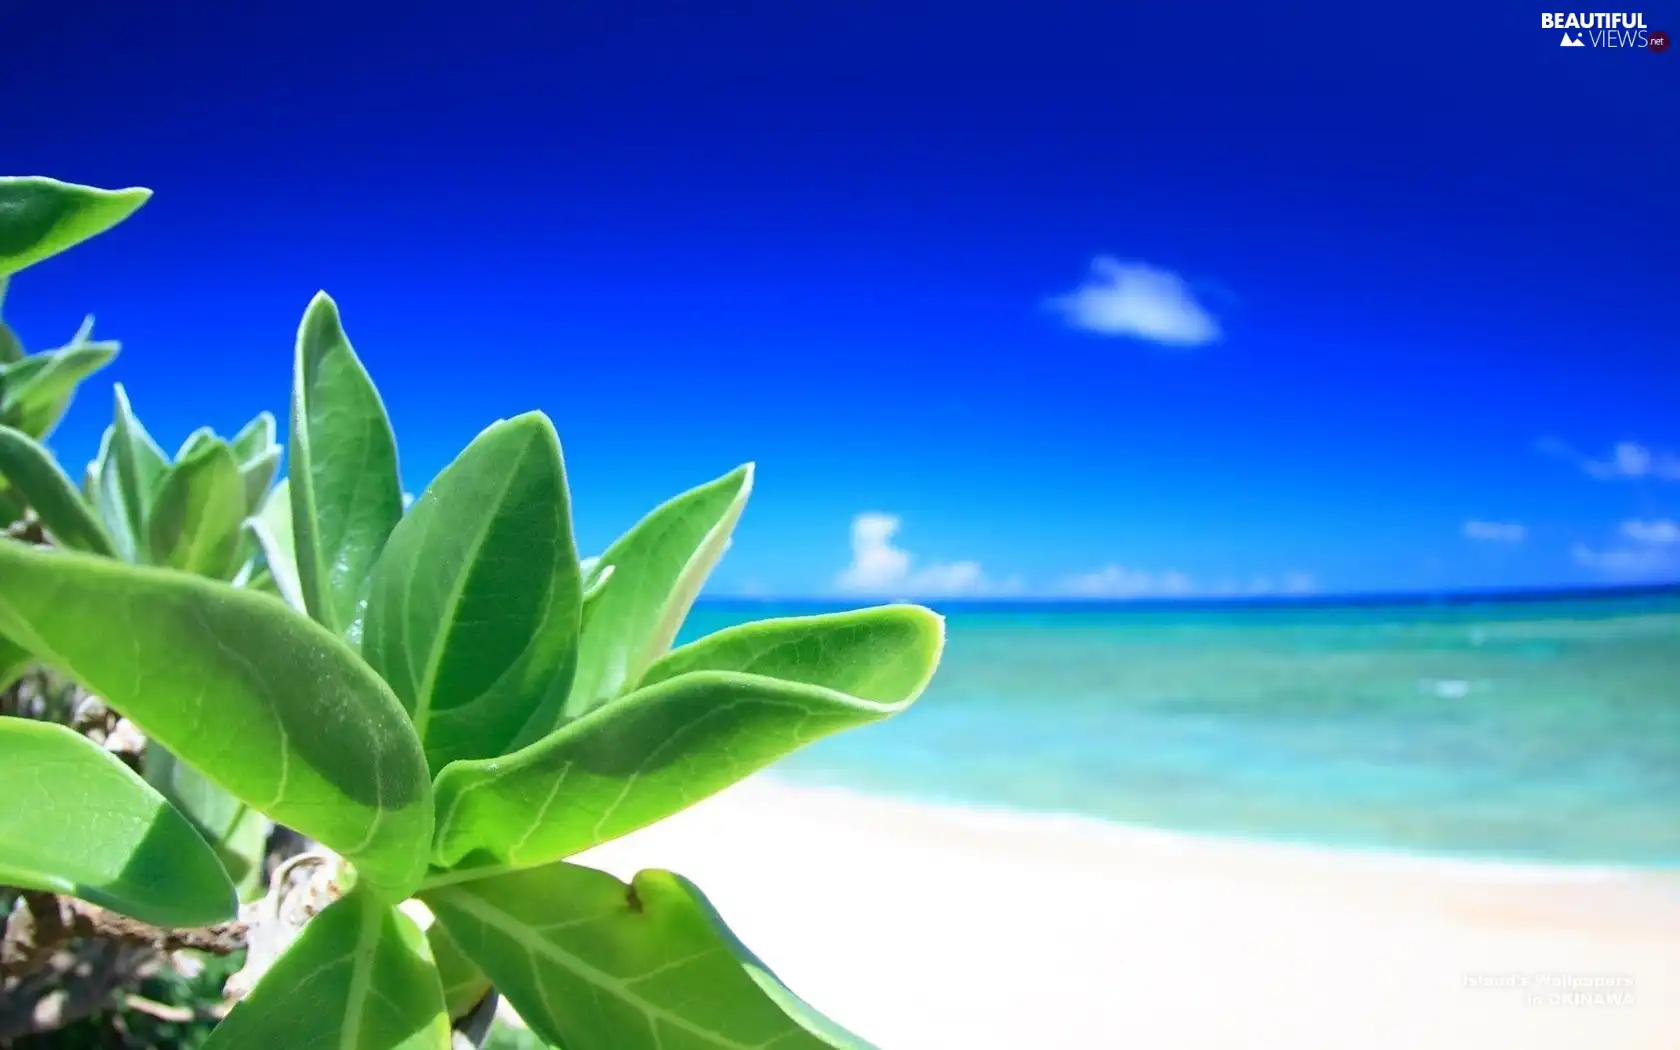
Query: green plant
[
  {"x": 200, "y": 512},
  {"x": 465, "y": 706},
  {"x": 39, "y": 218}
]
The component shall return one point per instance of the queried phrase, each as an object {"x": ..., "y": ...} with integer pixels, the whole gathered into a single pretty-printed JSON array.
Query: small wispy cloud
[
  {"x": 1647, "y": 547},
  {"x": 1117, "y": 581},
  {"x": 1137, "y": 300},
  {"x": 1626, "y": 460},
  {"x": 1495, "y": 531},
  {"x": 1621, "y": 561},
  {"x": 881, "y": 567},
  {"x": 1654, "y": 532}
]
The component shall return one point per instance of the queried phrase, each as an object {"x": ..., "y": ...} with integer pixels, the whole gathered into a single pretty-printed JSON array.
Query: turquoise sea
[{"x": 1517, "y": 730}]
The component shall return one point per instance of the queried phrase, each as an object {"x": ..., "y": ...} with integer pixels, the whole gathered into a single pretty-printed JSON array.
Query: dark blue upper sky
[{"x": 1046, "y": 298}]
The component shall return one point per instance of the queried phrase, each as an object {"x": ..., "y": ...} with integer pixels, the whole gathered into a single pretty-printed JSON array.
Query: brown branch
[
  {"x": 44, "y": 922},
  {"x": 70, "y": 985}
]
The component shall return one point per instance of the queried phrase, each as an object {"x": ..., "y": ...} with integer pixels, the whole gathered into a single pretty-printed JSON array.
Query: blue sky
[{"x": 1046, "y": 299}]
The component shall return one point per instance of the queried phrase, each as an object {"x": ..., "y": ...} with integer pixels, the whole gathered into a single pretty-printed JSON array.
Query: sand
[{"x": 923, "y": 927}]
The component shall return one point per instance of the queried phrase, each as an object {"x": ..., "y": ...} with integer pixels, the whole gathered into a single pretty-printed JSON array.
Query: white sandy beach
[{"x": 932, "y": 928}]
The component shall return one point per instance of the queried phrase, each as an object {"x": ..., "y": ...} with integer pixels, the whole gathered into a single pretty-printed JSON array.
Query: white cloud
[
  {"x": 1630, "y": 459},
  {"x": 1624, "y": 561},
  {"x": 1495, "y": 531},
  {"x": 1650, "y": 548},
  {"x": 1299, "y": 583},
  {"x": 1626, "y": 460},
  {"x": 1117, "y": 581},
  {"x": 1138, "y": 300},
  {"x": 1290, "y": 583},
  {"x": 1658, "y": 532},
  {"x": 876, "y": 563},
  {"x": 881, "y": 567}
]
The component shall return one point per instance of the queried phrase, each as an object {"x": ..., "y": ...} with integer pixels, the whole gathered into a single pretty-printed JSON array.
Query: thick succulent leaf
[
  {"x": 237, "y": 833},
  {"x": 271, "y": 707},
  {"x": 623, "y": 767},
  {"x": 78, "y": 821},
  {"x": 195, "y": 441},
  {"x": 256, "y": 477},
  {"x": 346, "y": 494},
  {"x": 593, "y": 964},
  {"x": 36, "y": 391},
  {"x": 195, "y": 523},
  {"x": 141, "y": 464},
  {"x": 473, "y": 613},
  {"x": 271, "y": 528},
  {"x": 885, "y": 653},
  {"x": 104, "y": 486},
  {"x": 464, "y": 984},
  {"x": 40, "y": 217},
  {"x": 37, "y": 478},
  {"x": 84, "y": 332},
  {"x": 11, "y": 347},
  {"x": 661, "y": 564},
  {"x": 592, "y": 595},
  {"x": 359, "y": 977},
  {"x": 255, "y": 438}
]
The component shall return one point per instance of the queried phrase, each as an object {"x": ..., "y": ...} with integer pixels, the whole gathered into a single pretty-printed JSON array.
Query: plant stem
[{"x": 43, "y": 922}]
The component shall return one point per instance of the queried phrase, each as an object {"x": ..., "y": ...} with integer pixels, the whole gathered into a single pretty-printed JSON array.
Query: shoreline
[
  {"x": 922, "y": 926},
  {"x": 1007, "y": 817}
]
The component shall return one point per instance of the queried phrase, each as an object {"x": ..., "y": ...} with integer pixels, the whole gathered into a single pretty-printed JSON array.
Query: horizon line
[{"x": 1327, "y": 599}]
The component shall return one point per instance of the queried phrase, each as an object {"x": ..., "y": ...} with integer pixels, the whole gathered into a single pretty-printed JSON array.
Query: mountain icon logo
[{"x": 1571, "y": 41}]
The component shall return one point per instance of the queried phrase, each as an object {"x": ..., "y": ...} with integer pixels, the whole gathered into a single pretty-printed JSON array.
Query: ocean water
[{"x": 1527, "y": 731}]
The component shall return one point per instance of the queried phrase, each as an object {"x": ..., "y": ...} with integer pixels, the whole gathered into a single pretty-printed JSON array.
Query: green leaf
[
  {"x": 37, "y": 477},
  {"x": 237, "y": 833},
  {"x": 885, "y": 654},
  {"x": 359, "y": 977},
  {"x": 256, "y": 477},
  {"x": 11, "y": 347},
  {"x": 592, "y": 595},
  {"x": 255, "y": 438},
  {"x": 40, "y": 217},
  {"x": 593, "y": 964},
  {"x": 195, "y": 524},
  {"x": 673, "y": 743},
  {"x": 38, "y": 389},
  {"x": 196, "y": 441},
  {"x": 271, "y": 528},
  {"x": 84, "y": 333},
  {"x": 13, "y": 662},
  {"x": 473, "y": 612},
  {"x": 141, "y": 464},
  {"x": 271, "y": 707},
  {"x": 78, "y": 821},
  {"x": 346, "y": 495},
  {"x": 661, "y": 564},
  {"x": 464, "y": 984},
  {"x": 106, "y": 495},
  {"x": 11, "y": 504}
]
